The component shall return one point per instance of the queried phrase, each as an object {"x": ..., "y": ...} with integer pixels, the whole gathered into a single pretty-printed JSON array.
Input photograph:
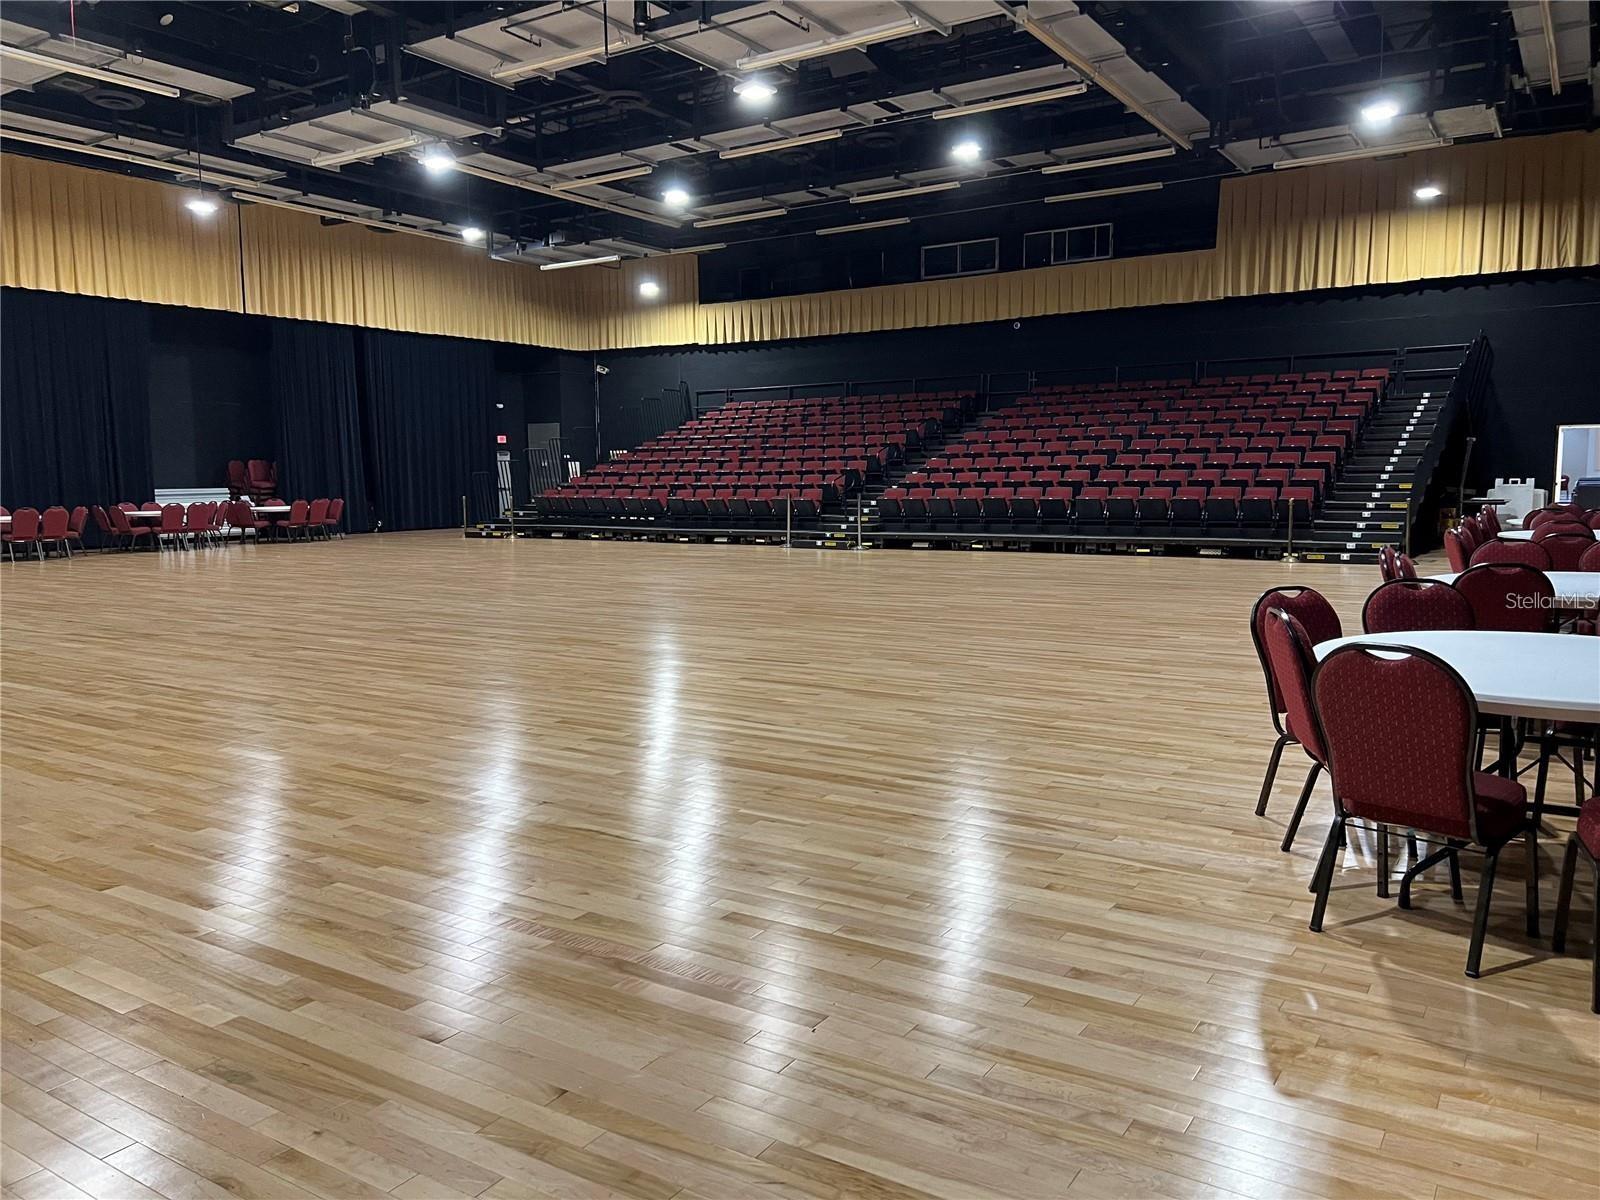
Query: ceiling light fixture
[
  {"x": 805, "y": 139},
  {"x": 437, "y": 160},
  {"x": 567, "y": 185},
  {"x": 675, "y": 197},
  {"x": 1317, "y": 160},
  {"x": 983, "y": 106},
  {"x": 1113, "y": 160},
  {"x": 706, "y": 249},
  {"x": 95, "y": 150},
  {"x": 333, "y": 214},
  {"x": 472, "y": 234},
  {"x": 508, "y": 72},
  {"x": 736, "y": 218},
  {"x": 338, "y": 158},
  {"x": 88, "y": 72},
  {"x": 545, "y": 189},
  {"x": 1377, "y": 114},
  {"x": 926, "y": 189},
  {"x": 1428, "y": 191},
  {"x": 1100, "y": 192},
  {"x": 754, "y": 91},
  {"x": 831, "y": 45},
  {"x": 969, "y": 150},
  {"x": 202, "y": 205},
  {"x": 581, "y": 262},
  {"x": 864, "y": 226},
  {"x": 649, "y": 289}
]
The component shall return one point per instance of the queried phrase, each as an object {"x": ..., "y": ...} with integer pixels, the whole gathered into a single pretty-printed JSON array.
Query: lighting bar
[
  {"x": 546, "y": 189},
  {"x": 515, "y": 71},
  {"x": 805, "y": 139},
  {"x": 567, "y": 185},
  {"x": 831, "y": 45},
  {"x": 832, "y": 229},
  {"x": 983, "y": 106},
  {"x": 1116, "y": 160},
  {"x": 88, "y": 72},
  {"x": 1100, "y": 192},
  {"x": 759, "y": 215},
  {"x": 339, "y": 158},
  {"x": 182, "y": 170},
  {"x": 349, "y": 218},
  {"x": 1316, "y": 160},
  {"x": 706, "y": 249},
  {"x": 926, "y": 189},
  {"x": 580, "y": 262}
]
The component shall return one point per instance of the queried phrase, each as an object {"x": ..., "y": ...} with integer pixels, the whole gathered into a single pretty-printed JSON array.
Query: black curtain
[
  {"x": 74, "y": 400},
  {"x": 318, "y": 402},
  {"x": 427, "y": 411}
]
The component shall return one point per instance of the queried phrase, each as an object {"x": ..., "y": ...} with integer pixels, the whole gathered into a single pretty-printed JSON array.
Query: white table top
[
  {"x": 1552, "y": 676},
  {"x": 269, "y": 508},
  {"x": 1526, "y": 535},
  {"x": 1574, "y": 589},
  {"x": 143, "y": 514},
  {"x": 5, "y": 520}
]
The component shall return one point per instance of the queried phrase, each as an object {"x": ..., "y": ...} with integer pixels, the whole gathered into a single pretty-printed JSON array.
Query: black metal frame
[
  {"x": 1558, "y": 936},
  {"x": 1284, "y": 736}
]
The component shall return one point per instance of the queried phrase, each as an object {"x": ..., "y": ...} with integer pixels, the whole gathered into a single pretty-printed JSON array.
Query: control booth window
[{"x": 980, "y": 257}]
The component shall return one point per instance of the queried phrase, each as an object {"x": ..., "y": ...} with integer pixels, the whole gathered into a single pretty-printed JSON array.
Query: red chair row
[{"x": 56, "y": 527}]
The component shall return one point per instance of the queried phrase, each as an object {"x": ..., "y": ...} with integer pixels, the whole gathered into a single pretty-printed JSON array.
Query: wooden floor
[{"x": 434, "y": 868}]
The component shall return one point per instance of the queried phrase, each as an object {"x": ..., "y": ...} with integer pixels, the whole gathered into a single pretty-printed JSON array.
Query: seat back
[
  {"x": 1292, "y": 662},
  {"x": 1508, "y": 597},
  {"x": 1398, "y": 729},
  {"x": 298, "y": 512},
  {"x": 1456, "y": 551},
  {"x": 54, "y": 523},
  {"x": 319, "y": 510},
  {"x": 1404, "y": 565},
  {"x": 1528, "y": 554},
  {"x": 102, "y": 520},
  {"x": 198, "y": 518},
  {"x": 1566, "y": 551},
  {"x": 171, "y": 518},
  {"x": 335, "y": 511},
  {"x": 1590, "y": 559},
  {"x": 25, "y": 524},
  {"x": 1312, "y": 612},
  {"x": 1405, "y": 605},
  {"x": 78, "y": 519},
  {"x": 1388, "y": 563}
]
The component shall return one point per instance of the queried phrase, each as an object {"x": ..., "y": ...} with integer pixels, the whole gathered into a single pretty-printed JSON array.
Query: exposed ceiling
[{"x": 569, "y": 130}]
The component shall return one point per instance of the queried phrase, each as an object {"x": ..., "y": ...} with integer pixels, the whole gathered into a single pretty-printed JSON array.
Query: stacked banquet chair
[
  {"x": 1233, "y": 456},
  {"x": 741, "y": 464}
]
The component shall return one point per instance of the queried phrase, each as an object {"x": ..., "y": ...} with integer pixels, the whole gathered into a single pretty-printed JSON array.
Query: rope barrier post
[
  {"x": 788, "y": 520},
  {"x": 1288, "y": 549},
  {"x": 463, "y": 514},
  {"x": 858, "y": 520}
]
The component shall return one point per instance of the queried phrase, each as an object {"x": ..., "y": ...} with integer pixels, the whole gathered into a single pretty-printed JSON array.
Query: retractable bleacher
[
  {"x": 753, "y": 463},
  {"x": 1237, "y": 457}
]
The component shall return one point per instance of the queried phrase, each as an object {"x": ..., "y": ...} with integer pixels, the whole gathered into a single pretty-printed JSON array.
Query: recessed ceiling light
[
  {"x": 202, "y": 206},
  {"x": 649, "y": 289},
  {"x": 968, "y": 150},
  {"x": 473, "y": 234},
  {"x": 675, "y": 197},
  {"x": 1428, "y": 191},
  {"x": 1378, "y": 113},
  {"x": 754, "y": 91},
  {"x": 437, "y": 160}
]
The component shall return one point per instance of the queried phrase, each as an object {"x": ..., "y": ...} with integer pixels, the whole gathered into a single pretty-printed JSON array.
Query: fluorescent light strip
[
  {"x": 580, "y": 262},
  {"x": 832, "y": 45},
  {"x": 350, "y": 218},
  {"x": 736, "y": 218},
  {"x": 181, "y": 170},
  {"x": 706, "y": 249},
  {"x": 545, "y": 189},
  {"x": 926, "y": 189},
  {"x": 567, "y": 185},
  {"x": 805, "y": 139},
  {"x": 1099, "y": 192},
  {"x": 1117, "y": 160},
  {"x": 339, "y": 158},
  {"x": 863, "y": 227},
  {"x": 1316, "y": 160},
  {"x": 575, "y": 58},
  {"x": 73, "y": 68},
  {"x": 983, "y": 106}
]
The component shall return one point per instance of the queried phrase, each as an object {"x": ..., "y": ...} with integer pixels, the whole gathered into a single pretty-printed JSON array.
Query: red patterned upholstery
[
  {"x": 1407, "y": 568},
  {"x": 1406, "y": 605},
  {"x": 1590, "y": 559},
  {"x": 1589, "y": 825},
  {"x": 1400, "y": 735},
  {"x": 1310, "y": 609},
  {"x": 1508, "y": 597},
  {"x": 1529, "y": 554},
  {"x": 1388, "y": 563},
  {"x": 1455, "y": 549},
  {"x": 1560, "y": 527},
  {"x": 1491, "y": 519},
  {"x": 1566, "y": 551},
  {"x": 1292, "y": 662}
]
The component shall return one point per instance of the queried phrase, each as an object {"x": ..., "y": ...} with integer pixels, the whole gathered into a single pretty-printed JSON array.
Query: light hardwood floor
[{"x": 437, "y": 868}]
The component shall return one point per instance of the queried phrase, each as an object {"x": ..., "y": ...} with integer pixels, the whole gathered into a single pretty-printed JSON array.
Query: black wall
[
  {"x": 1545, "y": 332},
  {"x": 209, "y": 396}
]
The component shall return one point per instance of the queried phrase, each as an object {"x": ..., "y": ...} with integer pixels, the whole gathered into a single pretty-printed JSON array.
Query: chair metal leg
[
  {"x": 1300, "y": 806},
  {"x": 1455, "y": 872},
  {"x": 1532, "y": 837},
  {"x": 1323, "y": 879},
  {"x": 1569, "y": 867},
  {"x": 1421, "y": 865},
  {"x": 1480, "y": 920},
  {"x": 1383, "y": 861},
  {"x": 1272, "y": 773}
]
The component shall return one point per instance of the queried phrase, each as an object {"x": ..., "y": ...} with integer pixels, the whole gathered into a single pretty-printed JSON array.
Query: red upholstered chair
[
  {"x": 1528, "y": 554},
  {"x": 126, "y": 528},
  {"x": 1398, "y": 729},
  {"x": 317, "y": 517},
  {"x": 1567, "y": 551},
  {"x": 1404, "y": 605},
  {"x": 1508, "y": 597},
  {"x": 1594, "y": 520},
  {"x": 171, "y": 527},
  {"x": 1388, "y": 563},
  {"x": 1561, "y": 527},
  {"x": 1585, "y": 840},
  {"x": 1320, "y": 623},
  {"x": 1490, "y": 516},
  {"x": 1590, "y": 559},
  {"x": 1407, "y": 568},
  {"x": 238, "y": 479},
  {"x": 298, "y": 518},
  {"x": 243, "y": 518},
  {"x": 197, "y": 522},
  {"x": 1455, "y": 549},
  {"x": 1291, "y": 660},
  {"x": 54, "y": 527},
  {"x": 24, "y": 532},
  {"x": 75, "y": 524},
  {"x": 103, "y": 525}
]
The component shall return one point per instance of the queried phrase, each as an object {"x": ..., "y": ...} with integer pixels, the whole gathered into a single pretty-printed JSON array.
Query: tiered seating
[
  {"x": 1222, "y": 456},
  {"x": 741, "y": 463}
]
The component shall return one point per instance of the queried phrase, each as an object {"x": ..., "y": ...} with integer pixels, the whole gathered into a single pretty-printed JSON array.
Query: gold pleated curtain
[{"x": 1522, "y": 204}]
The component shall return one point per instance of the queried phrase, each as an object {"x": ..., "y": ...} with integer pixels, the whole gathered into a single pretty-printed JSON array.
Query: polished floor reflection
[{"x": 424, "y": 867}]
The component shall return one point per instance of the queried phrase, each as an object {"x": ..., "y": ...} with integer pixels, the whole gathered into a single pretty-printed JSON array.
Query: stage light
[
  {"x": 202, "y": 206},
  {"x": 675, "y": 197},
  {"x": 1428, "y": 191},
  {"x": 472, "y": 234},
  {"x": 649, "y": 289},
  {"x": 969, "y": 150},
  {"x": 754, "y": 92},
  {"x": 1377, "y": 114},
  {"x": 437, "y": 160}
]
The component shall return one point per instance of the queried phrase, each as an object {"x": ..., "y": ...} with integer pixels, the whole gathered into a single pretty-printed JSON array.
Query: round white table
[
  {"x": 1574, "y": 589},
  {"x": 1526, "y": 535},
  {"x": 1547, "y": 676},
  {"x": 270, "y": 510}
]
